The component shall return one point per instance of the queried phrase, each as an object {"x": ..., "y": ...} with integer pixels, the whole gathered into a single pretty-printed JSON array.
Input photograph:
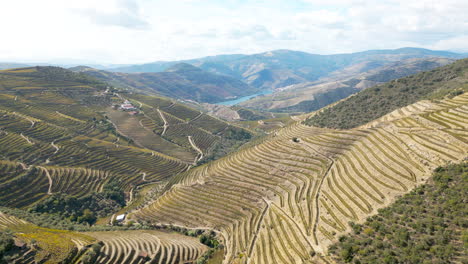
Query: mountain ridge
[
  {"x": 179, "y": 81},
  {"x": 278, "y": 68}
]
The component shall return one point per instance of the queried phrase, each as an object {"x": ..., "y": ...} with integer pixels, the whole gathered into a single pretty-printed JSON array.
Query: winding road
[{"x": 165, "y": 122}]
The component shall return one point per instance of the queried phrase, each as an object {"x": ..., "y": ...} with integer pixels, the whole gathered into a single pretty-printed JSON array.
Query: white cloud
[
  {"x": 127, "y": 31},
  {"x": 127, "y": 15}
]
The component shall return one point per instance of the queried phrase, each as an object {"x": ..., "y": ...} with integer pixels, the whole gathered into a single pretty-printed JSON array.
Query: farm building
[
  {"x": 120, "y": 218},
  {"x": 128, "y": 107}
]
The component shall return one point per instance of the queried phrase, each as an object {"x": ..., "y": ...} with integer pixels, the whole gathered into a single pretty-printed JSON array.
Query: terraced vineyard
[
  {"x": 59, "y": 134},
  {"x": 147, "y": 247},
  {"x": 45, "y": 245},
  {"x": 285, "y": 199},
  {"x": 172, "y": 123}
]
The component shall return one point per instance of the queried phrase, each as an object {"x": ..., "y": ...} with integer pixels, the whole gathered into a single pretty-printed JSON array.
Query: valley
[
  {"x": 234, "y": 132},
  {"x": 93, "y": 173}
]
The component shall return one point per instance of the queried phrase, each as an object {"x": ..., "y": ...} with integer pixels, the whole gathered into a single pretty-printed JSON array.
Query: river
[{"x": 244, "y": 98}]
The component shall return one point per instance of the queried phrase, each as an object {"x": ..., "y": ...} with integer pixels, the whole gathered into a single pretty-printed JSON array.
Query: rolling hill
[{"x": 181, "y": 81}]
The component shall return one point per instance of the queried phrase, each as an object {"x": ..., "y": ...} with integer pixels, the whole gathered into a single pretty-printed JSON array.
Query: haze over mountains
[{"x": 305, "y": 76}]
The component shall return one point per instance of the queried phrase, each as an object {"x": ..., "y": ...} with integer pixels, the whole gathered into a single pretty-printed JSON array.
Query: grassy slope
[
  {"x": 427, "y": 225},
  {"x": 377, "y": 101}
]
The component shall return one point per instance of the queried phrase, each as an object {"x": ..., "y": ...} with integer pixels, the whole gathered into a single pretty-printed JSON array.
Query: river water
[{"x": 244, "y": 98}]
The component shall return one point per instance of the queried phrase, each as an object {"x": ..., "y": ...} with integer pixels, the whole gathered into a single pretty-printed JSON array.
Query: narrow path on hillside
[
  {"x": 50, "y": 179},
  {"x": 55, "y": 146},
  {"x": 169, "y": 106},
  {"x": 310, "y": 149},
  {"x": 257, "y": 229},
  {"x": 196, "y": 148},
  {"x": 296, "y": 118},
  {"x": 130, "y": 200},
  {"x": 195, "y": 118},
  {"x": 27, "y": 139},
  {"x": 165, "y": 122},
  {"x": 123, "y": 134},
  {"x": 24, "y": 166},
  {"x": 143, "y": 178},
  {"x": 298, "y": 226},
  {"x": 32, "y": 121},
  {"x": 317, "y": 207}
]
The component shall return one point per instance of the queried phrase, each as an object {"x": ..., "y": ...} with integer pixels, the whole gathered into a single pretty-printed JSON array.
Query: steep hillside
[
  {"x": 377, "y": 101},
  {"x": 60, "y": 134},
  {"x": 426, "y": 225},
  {"x": 301, "y": 185},
  {"x": 281, "y": 68},
  {"x": 182, "y": 81},
  {"x": 311, "y": 96}
]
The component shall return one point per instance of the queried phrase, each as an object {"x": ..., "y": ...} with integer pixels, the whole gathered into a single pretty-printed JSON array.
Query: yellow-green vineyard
[
  {"x": 44, "y": 245},
  {"x": 287, "y": 198}
]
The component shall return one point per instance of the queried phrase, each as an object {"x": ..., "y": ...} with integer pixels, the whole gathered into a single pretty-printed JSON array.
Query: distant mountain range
[
  {"x": 181, "y": 81},
  {"x": 10, "y": 65},
  {"x": 279, "y": 68},
  {"x": 219, "y": 78}
]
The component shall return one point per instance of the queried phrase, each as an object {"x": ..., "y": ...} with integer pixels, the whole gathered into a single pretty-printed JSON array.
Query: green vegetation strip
[{"x": 380, "y": 100}]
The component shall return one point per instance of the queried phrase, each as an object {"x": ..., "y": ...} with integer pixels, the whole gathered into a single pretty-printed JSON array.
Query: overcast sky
[{"x": 137, "y": 31}]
